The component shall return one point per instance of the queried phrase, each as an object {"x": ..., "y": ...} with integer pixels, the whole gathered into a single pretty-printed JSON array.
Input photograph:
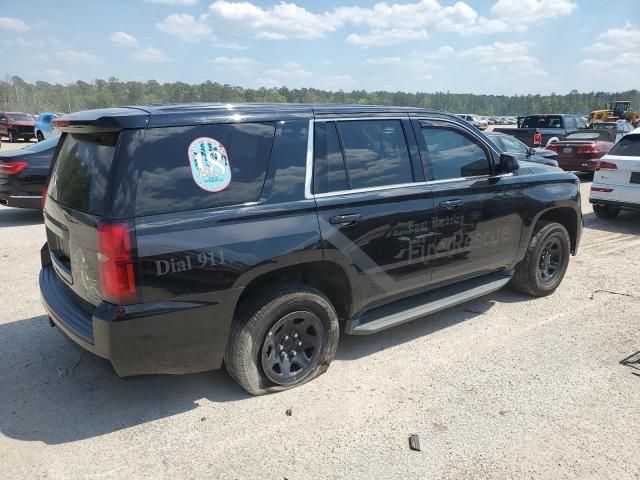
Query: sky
[{"x": 472, "y": 46}]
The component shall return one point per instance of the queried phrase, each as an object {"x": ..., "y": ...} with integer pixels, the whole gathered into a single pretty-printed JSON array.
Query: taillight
[
  {"x": 115, "y": 263},
  {"x": 537, "y": 138},
  {"x": 587, "y": 149},
  {"x": 602, "y": 165},
  {"x": 44, "y": 196},
  {"x": 553, "y": 148},
  {"x": 601, "y": 189},
  {"x": 12, "y": 168}
]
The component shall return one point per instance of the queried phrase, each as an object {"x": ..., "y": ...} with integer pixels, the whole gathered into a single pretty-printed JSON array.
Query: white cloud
[
  {"x": 76, "y": 56},
  {"x": 122, "y": 39},
  {"x": 13, "y": 24},
  {"x": 625, "y": 38},
  {"x": 280, "y": 21},
  {"x": 382, "y": 61},
  {"x": 173, "y": 2},
  {"x": 240, "y": 64},
  {"x": 229, "y": 45},
  {"x": 21, "y": 42},
  {"x": 395, "y": 22},
  {"x": 510, "y": 59},
  {"x": 151, "y": 55},
  {"x": 291, "y": 70},
  {"x": 386, "y": 37},
  {"x": 528, "y": 12},
  {"x": 185, "y": 27}
]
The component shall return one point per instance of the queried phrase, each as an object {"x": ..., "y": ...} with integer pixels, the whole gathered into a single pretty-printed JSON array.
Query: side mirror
[
  {"x": 508, "y": 163},
  {"x": 532, "y": 151}
]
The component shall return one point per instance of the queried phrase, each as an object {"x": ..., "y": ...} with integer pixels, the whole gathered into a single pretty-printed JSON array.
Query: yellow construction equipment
[{"x": 619, "y": 110}]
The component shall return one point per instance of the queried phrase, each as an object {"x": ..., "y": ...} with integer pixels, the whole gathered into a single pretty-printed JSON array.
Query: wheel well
[
  {"x": 327, "y": 277},
  {"x": 566, "y": 217}
]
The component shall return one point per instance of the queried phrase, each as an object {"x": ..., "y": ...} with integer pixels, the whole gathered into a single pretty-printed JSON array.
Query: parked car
[
  {"x": 619, "y": 128},
  {"x": 474, "y": 120},
  {"x": 16, "y": 125},
  {"x": 182, "y": 236},
  {"x": 581, "y": 151},
  {"x": 541, "y": 130},
  {"x": 616, "y": 183},
  {"x": 43, "y": 128},
  {"x": 507, "y": 143},
  {"x": 23, "y": 174}
]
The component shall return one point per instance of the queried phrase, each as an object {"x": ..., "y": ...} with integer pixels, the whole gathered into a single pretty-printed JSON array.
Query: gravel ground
[{"x": 502, "y": 387}]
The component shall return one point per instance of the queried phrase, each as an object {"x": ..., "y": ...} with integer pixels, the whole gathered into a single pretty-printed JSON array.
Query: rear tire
[
  {"x": 546, "y": 261},
  {"x": 605, "y": 212},
  {"x": 282, "y": 338},
  {"x": 40, "y": 136}
]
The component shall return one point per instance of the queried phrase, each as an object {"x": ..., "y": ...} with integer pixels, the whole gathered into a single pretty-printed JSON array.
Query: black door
[
  {"x": 376, "y": 213},
  {"x": 478, "y": 210}
]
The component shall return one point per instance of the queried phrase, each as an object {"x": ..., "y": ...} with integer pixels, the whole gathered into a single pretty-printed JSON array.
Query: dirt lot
[{"x": 502, "y": 387}]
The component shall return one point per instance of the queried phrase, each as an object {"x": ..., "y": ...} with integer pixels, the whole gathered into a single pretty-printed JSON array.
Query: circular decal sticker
[{"x": 209, "y": 164}]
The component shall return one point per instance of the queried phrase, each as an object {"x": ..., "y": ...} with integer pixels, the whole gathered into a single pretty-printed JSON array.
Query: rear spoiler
[{"x": 102, "y": 120}]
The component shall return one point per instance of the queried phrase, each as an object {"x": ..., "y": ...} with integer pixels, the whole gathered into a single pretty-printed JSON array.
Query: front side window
[
  {"x": 454, "y": 155},
  {"x": 512, "y": 145},
  {"x": 375, "y": 152}
]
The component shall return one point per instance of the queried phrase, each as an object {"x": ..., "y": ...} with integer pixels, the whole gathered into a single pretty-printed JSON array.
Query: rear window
[
  {"x": 178, "y": 176},
  {"x": 628, "y": 146},
  {"x": 542, "y": 121},
  {"x": 604, "y": 135},
  {"x": 82, "y": 167}
]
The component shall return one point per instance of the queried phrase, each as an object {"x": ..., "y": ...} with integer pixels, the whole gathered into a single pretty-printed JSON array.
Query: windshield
[
  {"x": 20, "y": 117},
  {"x": 513, "y": 145},
  {"x": 44, "y": 145},
  {"x": 628, "y": 146},
  {"x": 542, "y": 121}
]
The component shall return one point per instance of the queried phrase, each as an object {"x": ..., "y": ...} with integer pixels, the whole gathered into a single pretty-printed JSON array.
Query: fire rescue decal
[{"x": 209, "y": 164}]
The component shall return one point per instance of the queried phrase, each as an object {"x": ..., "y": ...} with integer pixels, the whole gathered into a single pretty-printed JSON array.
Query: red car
[
  {"x": 16, "y": 125},
  {"x": 581, "y": 151}
]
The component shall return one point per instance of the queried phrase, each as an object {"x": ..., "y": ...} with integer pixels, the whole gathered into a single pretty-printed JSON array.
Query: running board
[{"x": 412, "y": 308}]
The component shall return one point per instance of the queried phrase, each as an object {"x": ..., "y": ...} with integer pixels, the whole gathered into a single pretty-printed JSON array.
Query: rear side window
[
  {"x": 330, "y": 174},
  {"x": 167, "y": 183},
  {"x": 628, "y": 146},
  {"x": 81, "y": 171},
  {"x": 375, "y": 152},
  {"x": 454, "y": 155},
  {"x": 542, "y": 121}
]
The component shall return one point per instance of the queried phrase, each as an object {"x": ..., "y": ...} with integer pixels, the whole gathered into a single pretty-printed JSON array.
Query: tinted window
[
  {"x": 628, "y": 146},
  {"x": 82, "y": 168},
  {"x": 580, "y": 123},
  {"x": 329, "y": 169},
  {"x": 454, "y": 155},
  {"x": 375, "y": 152},
  {"x": 569, "y": 123},
  {"x": 166, "y": 182},
  {"x": 542, "y": 121}
]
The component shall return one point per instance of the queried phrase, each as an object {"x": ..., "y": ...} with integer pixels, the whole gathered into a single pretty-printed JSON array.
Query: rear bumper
[
  {"x": 152, "y": 338},
  {"x": 21, "y": 201},
  {"x": 615, "y": 204},
  {"x": 578, "y": 165}
]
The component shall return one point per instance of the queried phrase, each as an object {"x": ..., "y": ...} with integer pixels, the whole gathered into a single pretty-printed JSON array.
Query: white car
[
  {"x": 616, "y": 182},
  {"x": 474, "y": 120}
]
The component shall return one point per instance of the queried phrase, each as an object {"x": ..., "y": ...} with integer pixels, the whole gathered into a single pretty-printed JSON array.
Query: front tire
[
  {"x": 605, "y": 212},
  {"x": 546, "y": 261},
  {"x": 12, "y": 137},
  {"x": 282, "y": 338}
]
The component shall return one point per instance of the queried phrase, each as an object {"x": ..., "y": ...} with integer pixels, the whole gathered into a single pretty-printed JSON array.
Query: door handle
[
  {"x": 451, "y": 204},
  {"x": 349, "y": 219}
]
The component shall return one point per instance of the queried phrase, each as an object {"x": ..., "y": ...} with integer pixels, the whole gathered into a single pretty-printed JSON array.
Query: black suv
[{"x": 181, "y": 237}]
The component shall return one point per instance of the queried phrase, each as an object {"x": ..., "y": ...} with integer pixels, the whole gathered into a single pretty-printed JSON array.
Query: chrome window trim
[{"x": 308, "y": 194}]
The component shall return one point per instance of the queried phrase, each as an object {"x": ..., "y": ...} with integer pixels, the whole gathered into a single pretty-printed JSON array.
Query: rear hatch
[{"x": 75, "y": 208}]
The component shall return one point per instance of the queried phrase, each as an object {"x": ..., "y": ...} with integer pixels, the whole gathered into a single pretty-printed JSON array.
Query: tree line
[{"x": 18, "y": 95}]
